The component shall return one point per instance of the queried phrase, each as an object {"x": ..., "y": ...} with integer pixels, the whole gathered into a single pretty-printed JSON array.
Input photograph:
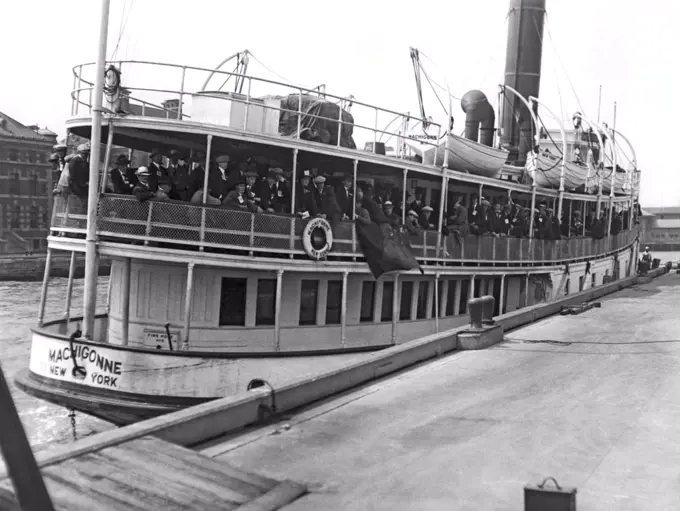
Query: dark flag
[{"x": 385, "y": 248}]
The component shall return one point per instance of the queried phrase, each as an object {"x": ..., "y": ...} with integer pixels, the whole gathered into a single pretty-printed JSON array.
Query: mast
[{"x": 90, "y": 292}]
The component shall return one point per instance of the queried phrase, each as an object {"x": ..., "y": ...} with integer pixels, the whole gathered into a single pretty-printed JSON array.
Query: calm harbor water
[{"x": 46, "y": 424}]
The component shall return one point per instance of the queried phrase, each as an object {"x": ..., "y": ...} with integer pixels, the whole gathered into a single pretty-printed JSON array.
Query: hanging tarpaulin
[{"x": 319, "y": 122}]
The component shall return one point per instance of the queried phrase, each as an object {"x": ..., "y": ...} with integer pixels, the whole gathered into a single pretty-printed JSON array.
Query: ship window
[
  {"x": 580, "y": 283},
  {"x": 566, "y": 287},
  {"x": 233, "y": 302},
  {"x": 265, "y": 311},
  {"x": 16, "y": 217},
  {"x": 309, "y": 294},
  {"x": 34, "y": 185},
  {"x": 594, "y": 281},
  {"x": 334, "y": 302},
  {"x": 367, "y": 301},
  {"x": 388, "y": 290},
  {"x": 451, "y": 298},
  {"x": 13, "y": 155},
  {"x": 464, "y": 288},
  {"x": 423, "y": 291}
]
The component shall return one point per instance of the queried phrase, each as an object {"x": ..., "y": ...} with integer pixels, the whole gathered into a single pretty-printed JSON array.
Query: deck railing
[
  {"x": 156, "y": 83},
  {"x": 125, "y": 219}
]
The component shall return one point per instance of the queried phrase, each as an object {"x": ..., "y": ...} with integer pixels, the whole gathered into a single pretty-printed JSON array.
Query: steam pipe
[{"x": 563, "y": 134}]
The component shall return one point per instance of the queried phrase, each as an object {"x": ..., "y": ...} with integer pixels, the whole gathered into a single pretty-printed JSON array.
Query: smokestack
[
  {"x": 522, "y": 73},
  {"x": 478, "y": 111}
]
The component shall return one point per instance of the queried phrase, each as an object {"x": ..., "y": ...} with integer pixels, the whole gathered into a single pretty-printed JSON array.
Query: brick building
[{"x": 25, "y": 186}]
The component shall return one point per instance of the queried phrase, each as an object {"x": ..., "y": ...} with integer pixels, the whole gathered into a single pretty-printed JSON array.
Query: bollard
[
  {"x": 488, "y": 304},
  {"x": 475, "y": 306}
]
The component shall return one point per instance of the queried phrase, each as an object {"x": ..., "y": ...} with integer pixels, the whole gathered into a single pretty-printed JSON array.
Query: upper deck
[{"x": 168, "y": 105}]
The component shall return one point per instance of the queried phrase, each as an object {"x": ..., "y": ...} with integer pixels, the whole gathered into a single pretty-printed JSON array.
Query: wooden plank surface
[{"x": 150, "y": 474}]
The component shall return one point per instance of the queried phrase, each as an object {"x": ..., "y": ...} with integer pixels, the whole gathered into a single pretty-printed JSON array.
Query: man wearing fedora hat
[
  {"x": 217, "y": 181},
  {"x": 123, "y": 178},
  {"x": 304, "y": 202},
  {"x": 344, "y": 196},
  {"x": 179, "y": 175}
]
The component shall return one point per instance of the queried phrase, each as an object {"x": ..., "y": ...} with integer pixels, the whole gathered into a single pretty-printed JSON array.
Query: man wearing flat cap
[
  {"x": 123, "y": 178},
  {"x": 324, "y": 200},
  {"x": 79, "y": 171},
  {"x": 253, "y": 190}
]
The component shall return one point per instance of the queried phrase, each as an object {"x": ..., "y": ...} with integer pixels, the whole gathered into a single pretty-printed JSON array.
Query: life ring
[{"x": 317, "y": 238}]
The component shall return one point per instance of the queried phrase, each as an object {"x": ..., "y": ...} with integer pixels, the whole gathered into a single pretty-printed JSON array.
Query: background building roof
[{"x": 12, "y": 128}]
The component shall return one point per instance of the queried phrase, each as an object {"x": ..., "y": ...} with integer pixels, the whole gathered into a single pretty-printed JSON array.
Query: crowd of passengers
[{"x": 254, "y": 186}]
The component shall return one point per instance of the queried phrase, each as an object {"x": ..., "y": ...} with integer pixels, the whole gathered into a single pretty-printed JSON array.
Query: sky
[{"x": 362, "y": 48}]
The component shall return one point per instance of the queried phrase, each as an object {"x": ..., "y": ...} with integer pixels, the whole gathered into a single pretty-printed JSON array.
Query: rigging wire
[
  {"x": 573, "y": 90},
  {"x": 123, "y": 24}
]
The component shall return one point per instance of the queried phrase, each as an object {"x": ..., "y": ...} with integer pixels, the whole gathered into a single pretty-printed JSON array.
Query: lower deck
[
  {"x": 591, "y": 400},
  {"x": 295, "y": 311}
]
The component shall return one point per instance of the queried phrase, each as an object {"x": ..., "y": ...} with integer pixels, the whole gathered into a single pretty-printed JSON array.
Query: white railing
[{"x": 373, "y": 124}]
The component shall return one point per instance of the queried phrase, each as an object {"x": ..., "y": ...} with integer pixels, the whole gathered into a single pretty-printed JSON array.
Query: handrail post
[
  {"x": 90, "y": 291},
  {"x": 436, "y": 302},
  {"x": 188, "y": 304},
  {"x": 375, "y": 131},
  {"x": 299, "y": 117},
  {"x": 147, "y": 230},
  {"x": 107, "y": 157},
  {"x": 80, "y": 84},
  {"x": 73, "y": 92},
  {"x": 293, "y": 199},
  {"x": 355, "y": 169},
  {"x": 403, "y": 198},
  {"x": 395, "y": 307},
  {"x": 343, "y": 310},
  {"x": 181, "y": 93},
  {"x": 125, "y": 298},
  {"x": 69, "y": 288},
  {"x": 245, "y": 117},
  {"x": 45, "y": 285},
  {"x": 277, "y": 311},
  {"x": 340, "y": 124},
  {"x": 206, "y": 170}
]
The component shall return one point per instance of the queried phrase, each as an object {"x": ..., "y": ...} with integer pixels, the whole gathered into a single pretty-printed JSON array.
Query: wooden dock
[
  {"x": 149, "y": 474},
  {"x": 133, "y": 471}
]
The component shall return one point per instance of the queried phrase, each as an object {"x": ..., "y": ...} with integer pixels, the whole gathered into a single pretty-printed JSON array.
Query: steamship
[{"x": 205, "y": 300}]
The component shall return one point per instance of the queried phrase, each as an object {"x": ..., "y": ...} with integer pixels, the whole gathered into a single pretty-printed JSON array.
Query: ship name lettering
[
  {"x": 86, "y": 353},
  {"x": 104, "y": 379},
  {"x": 57, "y": 370}
]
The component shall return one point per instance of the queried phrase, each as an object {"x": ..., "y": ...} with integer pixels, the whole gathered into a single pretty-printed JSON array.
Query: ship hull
[{"x": 124, "y": 385}]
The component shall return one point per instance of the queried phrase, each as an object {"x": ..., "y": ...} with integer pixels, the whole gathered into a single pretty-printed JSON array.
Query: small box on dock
[{"x": 549, "y": 498}]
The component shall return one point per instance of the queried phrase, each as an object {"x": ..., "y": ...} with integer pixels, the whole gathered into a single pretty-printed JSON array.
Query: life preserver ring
[{"x": 317, "y": 238}]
